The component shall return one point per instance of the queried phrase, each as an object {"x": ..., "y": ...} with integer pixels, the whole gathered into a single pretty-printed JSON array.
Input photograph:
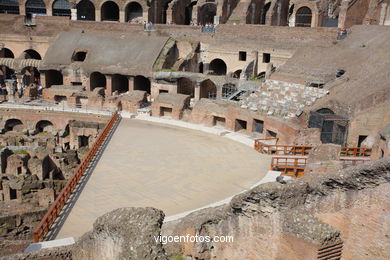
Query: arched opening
[
  {"x": 185, "y": 86},
  {"x": 61, "y": 8},
  {"x": 85, "y": 10},
  {"x": 79, "y": 56},
  {"x": 44, "y": 126},
  {"x": 30, "y": 75},
  {"x": 6, "y": 53},
  {"x": 208, "y": 89},
  {"x": 325, "y": 111},
  {"x": 53, "y": 77},
  {"x": 188, "y": 13},
  {"x": 35, "y": 7},
  {"x": 217, "y": 67},
  {"x": 303, "y": 17},
  {"x": 264, "y": 12},
  {"x": 31, "y": 54},
  {"x": 6, "y": 74},
  {"x": 13, "y": 125},
  {"x": 97, "y": 80},
  {"x": 9, "y": 7},
  {"x": 164, "y": 13},
  {"x": 110, "y": 11},
  {"x": 133, "y": 11},
  {"x": 237, "y": 74},
  {"x": 201, "y": 67},
  {"x": 142, "y": 83},
  {"x": 206, "y": 13},
  {"x": 120, "y": 83}
]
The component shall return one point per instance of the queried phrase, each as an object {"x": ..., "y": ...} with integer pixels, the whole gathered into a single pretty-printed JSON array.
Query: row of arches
[
  {"x": 15, "y": 124},
  {"x": 27, "y": 54},
  {"x": 119, "y": 82},
  {"x": 187, "y": 87}
]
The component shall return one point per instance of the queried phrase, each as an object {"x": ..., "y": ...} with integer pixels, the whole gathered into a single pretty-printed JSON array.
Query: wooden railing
[
  {"x": 356, "y": 151},
  {"x": 296, "y": 165},
  {"x": 55, "y": 209}
]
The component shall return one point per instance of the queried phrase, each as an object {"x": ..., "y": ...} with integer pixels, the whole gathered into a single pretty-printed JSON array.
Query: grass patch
[
  {"x": 21, "y": 151},
  {"x": 178, "y": 257}
]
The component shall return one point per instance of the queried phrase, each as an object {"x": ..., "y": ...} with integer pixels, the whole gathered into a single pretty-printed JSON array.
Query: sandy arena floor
[{"x": 170, "y": 168}]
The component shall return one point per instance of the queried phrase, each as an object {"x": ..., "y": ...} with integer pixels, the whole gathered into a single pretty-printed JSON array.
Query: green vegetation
[
  {"x": 254, "y": 79},
  {"x": 21, "y": 151},
  {"x": 178, "y": 257},
  {"x": 166, "y": 70}
]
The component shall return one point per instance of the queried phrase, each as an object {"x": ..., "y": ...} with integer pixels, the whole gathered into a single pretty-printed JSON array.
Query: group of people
[{"x": 18, "y": 89}]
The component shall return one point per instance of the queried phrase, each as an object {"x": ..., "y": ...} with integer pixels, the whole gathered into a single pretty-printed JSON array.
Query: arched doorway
[
  {"x": 53, "y": 77},
  {"x": 44, "y": 126},
  {"x": 110, "y": 11},
  {"x": 61, "y": 8},
  {"x": 97, "y": 80},
  {"x": 120, "y": 83},
  {"x": 303, "y": 17},
  {"x": 31, "y": 54},
  {"x": 9, "y": 7},
  {"x": 13, "y": 125},
  {"x": 206, "y": 13},
  {"x": 237, "y": 74},
  {"x": 217, "y": 67},
  {"x": 208, "y": 89},
  {"x": 142, "y": 83},
  {"x": 85, "y": 10},
  {"x": 35, "y": 7},
  {"x": 133, "y": 11},
  {"x": 6, "y": 53},
  {"x": 185, "y": 86}
]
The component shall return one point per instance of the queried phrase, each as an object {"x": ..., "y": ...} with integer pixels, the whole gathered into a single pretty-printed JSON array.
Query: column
[
  {"x": 108, "y": 85},
  {"x": 97, "y": 16},
  {"x": 197, "y": 91},
  {"x": 122, "y": 17},
  {"x": 131, "y": 83},
  {"x": 73, "y": 14}
]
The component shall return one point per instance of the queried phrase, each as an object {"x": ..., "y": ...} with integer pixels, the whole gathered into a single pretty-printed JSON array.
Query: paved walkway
[{"x": 170, "y": 168}]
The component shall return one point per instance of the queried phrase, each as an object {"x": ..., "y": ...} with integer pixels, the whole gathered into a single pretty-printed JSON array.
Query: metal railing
[
  {"x": 54, "y": 211},
  {"x": 330, "y": 252}
]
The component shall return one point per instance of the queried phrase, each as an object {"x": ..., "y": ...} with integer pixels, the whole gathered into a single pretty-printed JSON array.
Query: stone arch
[
  {"x": 109, "y": 11},
  {"x": 325, "y": 111},
  {"x": 133, "y": 11},
  {"x": 97, "y": 80},
  {"x": 9, "y": 7},
  {"x": 120, "y": 83},
  {"x": 31, "y": 54},
  {"x": 186, "y": 86},
  {"x": 5, "y": 73},
  {"x": 85, "y": 10},
  {"x": 13, "y": 124},
  {"x": 44, "y": 126},
  {"x": 237, "y": 74},
  {"x": 61, "y": 8},
  {"x": 303, "y": 17},
  {"x": 206, "y": 13},
  {"x": 35, "y": 7},
  {"x": 53, "y": 77},
  {"x": 142, "y": 83},
  {"x": 217, "y": 67},
  {"x": 207, "y": 89},
  {"x": 6, "y": 53}
]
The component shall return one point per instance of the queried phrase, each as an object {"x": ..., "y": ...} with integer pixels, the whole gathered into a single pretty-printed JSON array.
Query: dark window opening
[
  {"x": 83, "y": 141},
  {"x": 382, "y": 153},
  {"x": 303, "y": 17},
  {"x": 61, "y": 8},
  {"x": 85, "y": 10},
  {"x": 217, "y": 67},
  {"x": 9, "y": 7},
  {"x": 59, "y": 99},
  {"x": 162, "y": 91},
  {"x": 219, "y": 121},
  {"x": 19, "y": 170},
  {"x": 242, "y": 55},
  {"x": 258, "y": 125},
  {"x": 362, "y": 138},
  {"x": 266, "y": 57},
  {"x": 12, "y": 194},
  {"x": 79, "y": 56},
  {"x": 74, "y": 83},
  {"x": 165, "y": 111},
  {"x": 340, "y": 73},
  {"x": 240, "y": 125}
]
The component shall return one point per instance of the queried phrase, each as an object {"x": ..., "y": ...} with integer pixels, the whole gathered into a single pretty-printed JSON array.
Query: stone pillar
[
  {"x": 268, "y": 70},
  {"x": 43, "y": 79},
  {"x": 98, "y": 16},
  {"x": 170, "y": 13},
  {"x": 197, "y": 91},
  {"x": 22, "y": 8},
  {"x": 73, "y": 14},
  {"x": 206, "y": 67},
  {"x": 49, "y": 11},
  {"x": 255, "y": 58},
  {"x": 219, "y": 13},
  {"x": 122, "y": 17},
  {"x": 154, "y": 90},
  {"x": 219, "y": 92},
  {"x": 108, "y": 85},
  {"x": 131, "y": 83}
]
